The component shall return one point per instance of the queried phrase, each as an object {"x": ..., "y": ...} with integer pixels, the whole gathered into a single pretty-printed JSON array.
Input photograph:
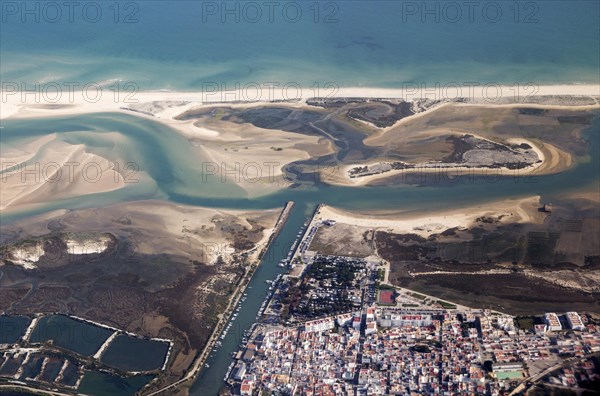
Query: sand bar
[
  {"x": 44, "y": 104},
  {"x": 521, "y": 210}
]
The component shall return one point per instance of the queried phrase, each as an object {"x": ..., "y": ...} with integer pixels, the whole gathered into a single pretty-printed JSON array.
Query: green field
[{"x": 509, "y": 375}]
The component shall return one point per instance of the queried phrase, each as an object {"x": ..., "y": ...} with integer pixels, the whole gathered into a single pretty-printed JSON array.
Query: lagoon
[{"x": 164, "y": 155}]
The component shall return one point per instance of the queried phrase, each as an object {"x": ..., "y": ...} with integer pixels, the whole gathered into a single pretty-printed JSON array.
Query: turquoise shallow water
[
  {"x": 192, "y": 45},
  {"x": 175, "y": 173},
  {"x": 183, "y": 45},
  {"x": 179, "y": 181}
]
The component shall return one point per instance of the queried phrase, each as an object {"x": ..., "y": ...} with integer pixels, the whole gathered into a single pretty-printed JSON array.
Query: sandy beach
[
  {"x": 521, "y": 210},
  {"x": 254, "y": 157},
  {"x": 44, "y": 104}
]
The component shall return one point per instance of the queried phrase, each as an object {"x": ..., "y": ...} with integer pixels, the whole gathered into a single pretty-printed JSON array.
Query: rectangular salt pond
[
  {"x": 51, "y": 370},
  {"x": 33, "y": 367},
  {"x": 101, "y": 384},
  {"x": 70, "y": 375},
  {"x": 129, "y": 353},
  {"x": 80, "y": 337},
  {"x": 12, "y": 328}
]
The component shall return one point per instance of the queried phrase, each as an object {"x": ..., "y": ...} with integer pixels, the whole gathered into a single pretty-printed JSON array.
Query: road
[{"x": 533, "y": 379}]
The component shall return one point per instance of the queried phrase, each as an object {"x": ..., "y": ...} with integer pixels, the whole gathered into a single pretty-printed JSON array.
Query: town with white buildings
[{"x": 406, "y": 343}]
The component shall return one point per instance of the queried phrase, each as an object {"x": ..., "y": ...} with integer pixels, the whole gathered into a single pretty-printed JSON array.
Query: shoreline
[
  {"x": 14, "y": 106},
  {"x": 244, "y": 146},
  {"x": 425, "y": 224}
]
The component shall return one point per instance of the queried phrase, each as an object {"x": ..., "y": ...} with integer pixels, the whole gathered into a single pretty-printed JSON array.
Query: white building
[
  {"x": 370, "y": 313},
  {"x": 319, "y": 325},
  {"x": 398, "y": 320},
  {"x": 574, "y": 321},
  {"x": 344, "y": 319},
  {"x": 553, "y": 322},
  {"x": 356, "y": 321},
  {"x": 371, "y": 327}
]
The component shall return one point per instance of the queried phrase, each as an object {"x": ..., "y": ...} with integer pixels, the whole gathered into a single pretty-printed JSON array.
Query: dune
[
  {"x": 15, "y": 105},
  {"x": 167, "y": 104}
]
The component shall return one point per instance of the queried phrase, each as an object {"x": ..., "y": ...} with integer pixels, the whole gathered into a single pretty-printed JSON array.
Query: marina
[
  {"x": 349, "y": 198},
  {"x": 211, "y": 379}
]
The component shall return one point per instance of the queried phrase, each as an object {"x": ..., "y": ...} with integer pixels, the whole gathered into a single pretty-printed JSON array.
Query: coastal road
[
  {"x": 26, "y": 388},
  {"x": 523, "y": 386}
]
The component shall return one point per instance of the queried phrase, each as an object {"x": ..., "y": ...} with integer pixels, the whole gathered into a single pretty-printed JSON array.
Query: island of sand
[{"x": 45, "y": 169}]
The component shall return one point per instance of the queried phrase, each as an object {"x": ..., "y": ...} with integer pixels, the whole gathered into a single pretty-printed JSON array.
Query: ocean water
[
  {"x": 197, "y": 45},
  {"x": 193, "y": 45}
]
